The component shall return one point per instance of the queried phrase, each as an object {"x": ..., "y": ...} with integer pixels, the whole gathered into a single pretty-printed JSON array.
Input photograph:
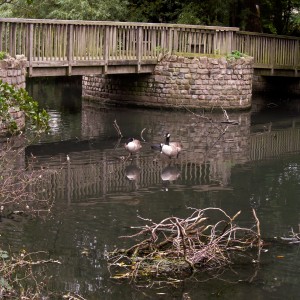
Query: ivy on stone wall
[
  {"x": 18, "y": 99},
  {"x": 235, "y": 55},
  {"x": 3, "y": 55}
]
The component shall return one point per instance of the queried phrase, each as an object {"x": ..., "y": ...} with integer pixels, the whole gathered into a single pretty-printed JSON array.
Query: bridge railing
[
  {"x": 269, "y": 51},
  {"x": 67, "y": 43}
]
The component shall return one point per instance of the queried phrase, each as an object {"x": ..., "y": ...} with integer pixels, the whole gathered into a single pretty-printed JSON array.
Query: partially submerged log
[{"x": 175, "y": 247}]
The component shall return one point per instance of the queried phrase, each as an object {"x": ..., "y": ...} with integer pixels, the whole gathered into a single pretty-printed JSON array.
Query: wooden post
[
  {"x": 229, "y": 42},
  {"x": 233, "y": 41},
  {"x": 223, "y": 42},
  {"x": 215, "y": 41},
  {"x": 12, "y": 39},
  {"x": 273, "y": 55},
  {"x": 296, "y": 57},
  {"x": 30, "y": 49},
  {"x": 139, "y": 47},
  {"x": 70, "y": 39},
  {"x": 162, "y": 41},
  {"x": 106, "y": 47},
  {"x": 1, "y": 30},
  {"x": 247, "y": 45},
  {"x": 172, "y": 40}
]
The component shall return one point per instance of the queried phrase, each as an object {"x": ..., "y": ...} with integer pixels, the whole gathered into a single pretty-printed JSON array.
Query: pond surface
[{"x": 255, "y": 164}]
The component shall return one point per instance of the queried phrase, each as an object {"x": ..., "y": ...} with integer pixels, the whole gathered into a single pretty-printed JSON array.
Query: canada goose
[
  {"x": 132, "y": 145},
  {"x": 156, "y": 147},
  {"x": 171, "y": 149}
]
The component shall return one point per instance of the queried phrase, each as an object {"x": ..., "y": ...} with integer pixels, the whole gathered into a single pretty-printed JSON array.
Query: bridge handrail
[
  {"x": 269, "y": 35},
  {"x": 270, "y": 51},
  {"x": 116, "y": 23}
]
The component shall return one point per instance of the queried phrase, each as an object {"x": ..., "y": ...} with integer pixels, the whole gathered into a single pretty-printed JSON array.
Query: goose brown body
[
  {"x": 171, "y": 149},
  {"x": 132, "y": 145}
]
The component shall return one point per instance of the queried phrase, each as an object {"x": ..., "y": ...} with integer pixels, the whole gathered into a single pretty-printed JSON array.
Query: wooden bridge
[{"x": 64, "y": 48}]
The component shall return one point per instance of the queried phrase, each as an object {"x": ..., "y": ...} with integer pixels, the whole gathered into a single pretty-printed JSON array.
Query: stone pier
[{"x": 178, "y": 81}]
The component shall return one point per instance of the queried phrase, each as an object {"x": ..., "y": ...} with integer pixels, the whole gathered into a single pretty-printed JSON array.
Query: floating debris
[{"x": 176, "y": 247}]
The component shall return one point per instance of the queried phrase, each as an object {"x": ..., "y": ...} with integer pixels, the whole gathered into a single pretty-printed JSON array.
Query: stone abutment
[{"x": 13, "y": 71}]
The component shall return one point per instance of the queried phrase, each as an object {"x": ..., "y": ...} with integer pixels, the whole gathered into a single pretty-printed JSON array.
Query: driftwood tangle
[{"x": 175, "y": 246}]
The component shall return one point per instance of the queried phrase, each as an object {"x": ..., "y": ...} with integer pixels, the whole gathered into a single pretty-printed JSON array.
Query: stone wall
[
  {"x": 13, "y": 71},
  {"x": 178, "y": 82}
]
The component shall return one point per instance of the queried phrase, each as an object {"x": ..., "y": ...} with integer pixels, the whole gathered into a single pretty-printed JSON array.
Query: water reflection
[
  {"x": 210, "y": 150},
  {"x": 55, "y": 121},
  {"x": 168, "y": 175},
  {"x": 132, "y": 173}
]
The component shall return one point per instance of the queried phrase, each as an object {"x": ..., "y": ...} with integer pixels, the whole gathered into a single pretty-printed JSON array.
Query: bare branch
[
  {"x": 117, "y": 129},
  {"x": 142, "y": 134}
]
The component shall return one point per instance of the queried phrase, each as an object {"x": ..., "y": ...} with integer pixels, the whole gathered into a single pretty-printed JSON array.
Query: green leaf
[
  {"x": 4, "y": 254},
  {"x": 5, "y": 284}
]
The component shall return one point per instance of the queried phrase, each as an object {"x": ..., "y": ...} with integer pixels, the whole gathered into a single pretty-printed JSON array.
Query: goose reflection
[
  {"x": 169, "y": 174},
  {"x": 132, "y": 172}
]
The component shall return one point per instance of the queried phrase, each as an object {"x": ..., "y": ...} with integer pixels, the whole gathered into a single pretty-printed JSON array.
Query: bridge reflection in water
[{"x": 211, "y": 149}]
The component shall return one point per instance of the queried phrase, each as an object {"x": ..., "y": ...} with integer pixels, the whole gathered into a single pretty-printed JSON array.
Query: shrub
[
  {"x": 235, "y": 55},
  {"x": 11, "y": 97}
]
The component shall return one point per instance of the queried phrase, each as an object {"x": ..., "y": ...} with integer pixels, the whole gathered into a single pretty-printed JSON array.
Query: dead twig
[
  {"x": 142, "y": 134},
  {"x": 294, "y": 238},
  {"x": 259, "y": 242},
  {"x": 18, "y": 271},
  {"x": 116, "y": 126},
  {"x": 228, "y": 121},
  {"x": 70, "y": 296}
]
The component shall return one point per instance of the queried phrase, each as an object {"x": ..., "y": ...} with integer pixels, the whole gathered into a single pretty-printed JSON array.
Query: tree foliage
[
  {"x": 68, "y": 9},
  {"x": 281, "y": 16},
  {"x": 270, "y": 16}
]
